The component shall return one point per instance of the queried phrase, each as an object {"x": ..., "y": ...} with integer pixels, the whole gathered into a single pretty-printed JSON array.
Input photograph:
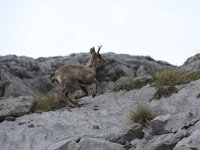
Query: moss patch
[{"x": 164, "y": 92}]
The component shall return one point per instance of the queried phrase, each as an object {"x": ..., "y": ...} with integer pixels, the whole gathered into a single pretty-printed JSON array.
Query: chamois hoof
[
  {"x": 80, "y": 96},
  {"x": 93, "y": 95},
  {"x": 75, "y": 103},
  {"x": 79, "y": 105},
  {"x": 62, "y": 102},
  {"x": 72, "y": 106}
]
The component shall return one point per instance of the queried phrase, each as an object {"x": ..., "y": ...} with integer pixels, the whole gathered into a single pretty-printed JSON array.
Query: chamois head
[{"x": 95, "y": 57}]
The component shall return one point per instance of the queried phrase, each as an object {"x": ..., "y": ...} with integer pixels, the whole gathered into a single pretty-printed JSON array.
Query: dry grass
[
  {"x": 46, "y": 102},
  {"x": 173, "y": 76},
  {"x": 128, "y": 83},
  {"x": 142, "y": 115}
]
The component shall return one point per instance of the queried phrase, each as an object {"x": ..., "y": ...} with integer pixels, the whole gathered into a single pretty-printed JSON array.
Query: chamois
[{"x": 69, "y": 76}]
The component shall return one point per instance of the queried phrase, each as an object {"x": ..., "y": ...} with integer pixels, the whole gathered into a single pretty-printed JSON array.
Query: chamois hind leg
[
  {"x": 70, "y": 102},
  {"x": 62, "y": 96}
]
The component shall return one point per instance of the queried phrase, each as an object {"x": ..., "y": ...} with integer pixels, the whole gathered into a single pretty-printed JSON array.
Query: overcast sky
[{"x": 166, "y": 30}]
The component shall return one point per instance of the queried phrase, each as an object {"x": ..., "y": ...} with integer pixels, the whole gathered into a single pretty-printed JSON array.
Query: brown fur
[
  {"x": 78, "y": 75},
  {"x": 75, "y": 73}
]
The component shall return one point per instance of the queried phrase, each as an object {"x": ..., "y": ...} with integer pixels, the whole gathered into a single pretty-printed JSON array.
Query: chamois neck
[{"x": 92, "y": 64}]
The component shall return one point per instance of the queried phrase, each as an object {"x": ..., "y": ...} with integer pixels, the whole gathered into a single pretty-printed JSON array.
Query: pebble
[{"x": 96, "y": 127}]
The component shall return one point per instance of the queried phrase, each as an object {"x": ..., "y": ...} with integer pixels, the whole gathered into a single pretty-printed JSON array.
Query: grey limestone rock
[
  {"x": 97, "y": 144},
  {"x": 158, "y": 124},
  {"x": 190, "y": 142},
  {"x": 101, "y": 122},
  {"x": 165, "y": 141},
  {"x": 27, "y": 75},
  {"x": 15, "y": 106},
  {"x": 128, "y": 134},
  {"x": 192, "y": 63}
]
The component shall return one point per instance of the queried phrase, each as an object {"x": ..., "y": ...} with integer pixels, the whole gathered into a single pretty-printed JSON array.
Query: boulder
[
  {"x": 15, "y": 107},
  {"x": 128, "y": 134},
  {"x": 63, "y": 144},
  {"x": 165, "y": 141},
  {"x": 192, "y": 63},
  {"x": 158, "y": 124},
  {"x": 190, "y": 142},
  {"x": 97, "y": 144},
  {"x": 14, "y": 85}
]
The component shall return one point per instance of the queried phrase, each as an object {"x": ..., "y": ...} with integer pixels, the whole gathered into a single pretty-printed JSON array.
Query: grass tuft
[
  {"x": 128, "y": 83},
  {"x": 173, "y": 76},
  {"x": 142, "y": 115},
  {"x": 46, "y": 102}
]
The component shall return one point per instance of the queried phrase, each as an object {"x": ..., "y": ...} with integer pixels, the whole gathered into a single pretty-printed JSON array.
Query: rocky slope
[
  {"x": 32, "y": 75},
  {"x": 101, "y": 123},
  {"x": 192, "y": 63}
]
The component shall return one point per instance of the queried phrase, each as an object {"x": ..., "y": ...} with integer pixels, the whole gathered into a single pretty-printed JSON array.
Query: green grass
[
  {"x": 128, "y": 83},
  {"x": 173, "y": 76},
  {"x": 46, "y": 102},
  {"x": 142, "y": 115}
]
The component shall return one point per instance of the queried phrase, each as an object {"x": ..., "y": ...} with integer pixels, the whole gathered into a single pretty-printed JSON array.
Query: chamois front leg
[
  {"x": 62, "y": 96},
  {"x": 83, "y": 88},
  {"x": 97, "y": 84}
]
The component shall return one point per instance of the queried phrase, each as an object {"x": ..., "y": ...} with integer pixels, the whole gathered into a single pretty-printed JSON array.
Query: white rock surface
[
  {"x": 15, "y": 106},
  {"x": 38, "y": 131},
  {"x": 87, "y": 128}
]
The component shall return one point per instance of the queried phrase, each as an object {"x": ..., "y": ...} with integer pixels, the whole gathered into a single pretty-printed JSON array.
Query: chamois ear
[{"x": 92, "y": 50}]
